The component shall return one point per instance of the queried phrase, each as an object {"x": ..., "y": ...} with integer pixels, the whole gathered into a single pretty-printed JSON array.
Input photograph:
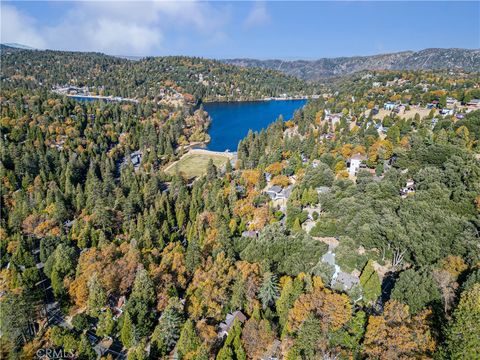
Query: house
[
  {"x": 250, "y": 234},
  {"x": 304, "y": 158},
  {"x": 69, "y": 223},
  {"x": 452, "y": 102},
  {"x": 354, "y": 163},
  {"x": 274, "y": 191},
  {"x": 446, "y": 112},
  {"x": 278, "y": 193},
  {"x": 118, "y": 308},
  {"x": 390, "y": 106},
  {"x": 227, "y": 325},
  {"x": 327, "y": 136},
  {"x": 333, "y": 118},
  {"x": 135, "y": 159},
  {"x": 408, "y": 189},
  {"x": 474, "y": 104},
  {"x": 346, "y": 281}
]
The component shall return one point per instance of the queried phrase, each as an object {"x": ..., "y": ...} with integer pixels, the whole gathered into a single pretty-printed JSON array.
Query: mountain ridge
[{"x": 427, "y": 59}]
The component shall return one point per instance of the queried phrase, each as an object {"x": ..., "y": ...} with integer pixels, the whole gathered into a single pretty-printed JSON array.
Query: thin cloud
[
  {"x": 258, "y": 16},
  {"x": 17, "y": 27},
  {"x": 123, "y": 27}
]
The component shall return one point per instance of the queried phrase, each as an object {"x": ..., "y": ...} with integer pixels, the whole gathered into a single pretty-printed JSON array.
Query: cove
[{"x": 231, "y": 121}]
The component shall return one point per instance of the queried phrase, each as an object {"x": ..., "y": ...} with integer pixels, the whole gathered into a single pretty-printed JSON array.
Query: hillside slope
[
  {"x": 205, "y": 79},
  {"x": 427, "y": 59}
]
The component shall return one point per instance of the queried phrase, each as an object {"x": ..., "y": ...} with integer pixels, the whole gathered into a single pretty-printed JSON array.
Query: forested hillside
[
  {"x": 289, "y": 252},
  {"x": 428, "y": 59},
  {"x": 204, "y": 79}
]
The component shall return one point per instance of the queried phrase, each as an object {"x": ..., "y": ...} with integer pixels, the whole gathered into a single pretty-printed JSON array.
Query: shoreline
[{"x": 307, "y": 97}]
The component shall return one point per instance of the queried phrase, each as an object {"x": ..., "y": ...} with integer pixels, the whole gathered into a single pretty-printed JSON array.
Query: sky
[{"x": 263, "y": 30}]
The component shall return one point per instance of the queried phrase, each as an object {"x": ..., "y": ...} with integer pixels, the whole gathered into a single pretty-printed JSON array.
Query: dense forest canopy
[
  {"x": 105, "y": 256},
  {"x": 204, "y": 79}
]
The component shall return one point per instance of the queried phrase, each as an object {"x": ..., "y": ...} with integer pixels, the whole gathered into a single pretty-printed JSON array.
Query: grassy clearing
[{"x": 193, "y": 165}]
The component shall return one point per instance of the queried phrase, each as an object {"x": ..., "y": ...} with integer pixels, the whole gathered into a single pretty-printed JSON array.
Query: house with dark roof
[
  {"x": 227, "y": 325},
  {"x": 135, "y": 159},
  {"x": 278, "y": 193}
]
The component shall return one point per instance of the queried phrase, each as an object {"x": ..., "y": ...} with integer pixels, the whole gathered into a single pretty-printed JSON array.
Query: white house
[
  {"x": 390, "y": 106},
  {"x": 408, "y": 189},
  {"x": 355, "y": 162}
]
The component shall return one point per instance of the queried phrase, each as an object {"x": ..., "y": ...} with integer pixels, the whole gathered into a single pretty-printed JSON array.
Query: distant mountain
[
  {"x": 19, "y": 46},
  {"x": 428, "y": 59}
]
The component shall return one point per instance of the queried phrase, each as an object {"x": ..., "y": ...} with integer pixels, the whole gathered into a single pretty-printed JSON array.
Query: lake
[{"x": 231, "y": 121}]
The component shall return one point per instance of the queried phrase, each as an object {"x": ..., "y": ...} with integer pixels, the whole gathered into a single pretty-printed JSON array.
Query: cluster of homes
[
  {"x": 84, "y": 94},
  {"x": 450, "y": 108}
]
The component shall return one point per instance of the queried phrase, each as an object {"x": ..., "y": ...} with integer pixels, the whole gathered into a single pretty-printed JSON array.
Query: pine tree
[
  {"x": 106, "y": 323},
  {"x": 268, "y": 292},
  {"x": 370, "y": 283},
  {"x": 85, "y": 350},
  {"x": 167, "y": 332},
  {"x": 463, "y": 341},
  {"x": 127, "y": 334},
  {"x": 233, "y": 348},
  {"x": 188, "y": 341},
  {"x": 97, "y": 297},
  {"x": 297, "y": 227}
]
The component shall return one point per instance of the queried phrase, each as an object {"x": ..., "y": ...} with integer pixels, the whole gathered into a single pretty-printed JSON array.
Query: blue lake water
[{"x": 232, "y": 120}]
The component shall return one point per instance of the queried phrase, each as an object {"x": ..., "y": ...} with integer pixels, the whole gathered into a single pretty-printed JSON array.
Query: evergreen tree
[
  {"x": 188, "y": 342},
  {"x": 268, "y": 292},
  {"x": 370, "y": 283},
  {"x": 167, "y": 332},
  {"x": 106, "y": 323},
  {"x": 127, "y": 334},
  {"x": 97, "y": 297},
  {"x": 463, "y": 341},
  {"x": 233, "y": 348}
]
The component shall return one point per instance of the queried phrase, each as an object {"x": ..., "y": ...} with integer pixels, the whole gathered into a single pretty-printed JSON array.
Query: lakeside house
[
  {"x": 228, "y": 323},
  {"x": 355, "y": 163}
]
